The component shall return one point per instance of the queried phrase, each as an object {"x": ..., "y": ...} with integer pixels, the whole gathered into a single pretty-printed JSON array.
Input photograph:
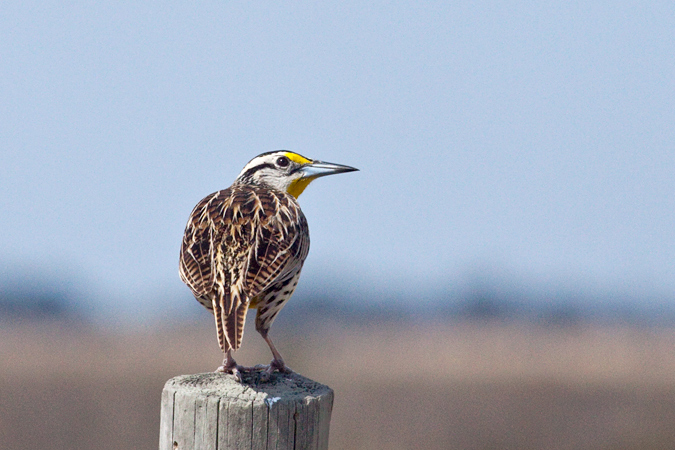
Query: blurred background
[{"x": 499, "y": 274}]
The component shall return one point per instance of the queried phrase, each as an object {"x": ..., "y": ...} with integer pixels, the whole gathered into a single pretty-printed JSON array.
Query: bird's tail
[{"x": 230, "y": 315}]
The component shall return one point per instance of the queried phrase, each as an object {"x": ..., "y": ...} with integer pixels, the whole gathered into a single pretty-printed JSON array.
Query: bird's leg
[
  {"x": 231, "y": 366},
  {"x": 277, "y": 361}
]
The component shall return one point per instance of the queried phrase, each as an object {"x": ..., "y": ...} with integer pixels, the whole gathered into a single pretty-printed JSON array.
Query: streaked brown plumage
[
  {"x": 238, "y": 241},
  {"x": 245, "y": 246}
]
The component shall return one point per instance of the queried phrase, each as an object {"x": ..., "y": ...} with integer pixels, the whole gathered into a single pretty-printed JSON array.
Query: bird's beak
[{"x": 317, "y": 169}]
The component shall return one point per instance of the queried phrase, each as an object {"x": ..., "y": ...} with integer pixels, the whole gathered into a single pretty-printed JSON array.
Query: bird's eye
[{"x": 282, "y": 161}]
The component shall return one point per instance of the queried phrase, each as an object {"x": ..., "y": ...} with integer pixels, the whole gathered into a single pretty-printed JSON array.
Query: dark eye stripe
[{"x": 254, "y": 169}]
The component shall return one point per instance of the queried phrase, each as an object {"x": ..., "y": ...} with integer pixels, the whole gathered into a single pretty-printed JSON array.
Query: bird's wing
[
  {"x": 281, "y": 240},
  {"x": 197, "y": 258}
]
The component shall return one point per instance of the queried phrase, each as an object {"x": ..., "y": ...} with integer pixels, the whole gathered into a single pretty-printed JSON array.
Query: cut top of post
[{"x": 292, "y": 386}]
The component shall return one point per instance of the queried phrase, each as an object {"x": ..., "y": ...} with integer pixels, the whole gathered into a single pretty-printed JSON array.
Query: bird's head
[{"x": 287, "y": 171}]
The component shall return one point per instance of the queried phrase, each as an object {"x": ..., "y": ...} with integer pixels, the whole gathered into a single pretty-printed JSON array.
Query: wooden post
[{"x": 212, "y": 411}]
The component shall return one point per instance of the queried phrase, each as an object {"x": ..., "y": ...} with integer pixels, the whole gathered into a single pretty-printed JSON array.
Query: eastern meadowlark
[{"x": 244, "y": 248}]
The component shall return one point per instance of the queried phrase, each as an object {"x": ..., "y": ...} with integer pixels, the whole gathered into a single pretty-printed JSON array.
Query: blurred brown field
[{"x": 469, "y": 385}]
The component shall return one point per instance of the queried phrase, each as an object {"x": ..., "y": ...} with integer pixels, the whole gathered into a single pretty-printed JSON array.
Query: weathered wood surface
[{"x": 212, "y": 411}]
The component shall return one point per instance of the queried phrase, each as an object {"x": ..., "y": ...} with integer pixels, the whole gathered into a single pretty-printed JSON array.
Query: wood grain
[{"x": 212, "y": 410}]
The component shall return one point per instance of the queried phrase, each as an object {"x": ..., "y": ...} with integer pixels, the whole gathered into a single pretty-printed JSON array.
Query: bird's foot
[
  {"x": 233, "y": 369},
  {"x": 275, "y": 365}
]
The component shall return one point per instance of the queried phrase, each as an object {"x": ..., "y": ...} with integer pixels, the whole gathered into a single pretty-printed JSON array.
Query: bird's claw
[
  {"x": 234, "y": 370},
  {"x": 275, "y": 365}
]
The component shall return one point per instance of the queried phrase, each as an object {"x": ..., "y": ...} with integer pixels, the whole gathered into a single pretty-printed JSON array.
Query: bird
[{"x": 244, "y": 248}]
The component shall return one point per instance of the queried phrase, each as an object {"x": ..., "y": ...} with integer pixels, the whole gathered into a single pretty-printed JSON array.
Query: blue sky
[{"x": 534, "y": 140}]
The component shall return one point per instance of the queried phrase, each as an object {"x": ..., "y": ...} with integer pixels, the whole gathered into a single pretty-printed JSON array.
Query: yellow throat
[{"x": 296, "y": 187}]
